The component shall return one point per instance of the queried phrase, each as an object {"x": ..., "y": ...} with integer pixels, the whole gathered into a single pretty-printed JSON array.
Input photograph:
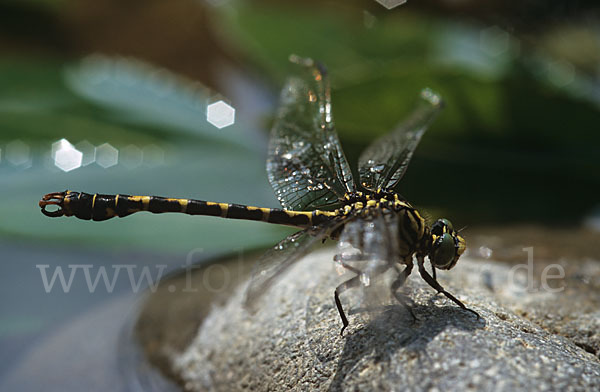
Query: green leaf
[{"x": 201, "y": 161}]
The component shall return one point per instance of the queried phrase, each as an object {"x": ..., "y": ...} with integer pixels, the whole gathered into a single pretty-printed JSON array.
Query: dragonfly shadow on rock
[{"x": 392, "y": 330}]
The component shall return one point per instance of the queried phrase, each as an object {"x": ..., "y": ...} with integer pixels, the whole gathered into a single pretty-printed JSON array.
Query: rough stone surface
[{"x": 524, "y": 340}]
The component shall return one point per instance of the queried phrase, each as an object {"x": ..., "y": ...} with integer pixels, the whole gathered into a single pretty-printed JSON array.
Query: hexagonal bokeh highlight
[
  {"x": 66, "y": 156},
  {"x": 89, "y": 152},
  {"x": 106, "y": 155},
  {"x": 494, "y": 41},
  {"x": 220, "y": 114},
  {"x": 131, "y": 156},
  {"x": 389, "y": 4},
  {"x": 57, "y": 145},
  {"x": 17, "y": 153}
]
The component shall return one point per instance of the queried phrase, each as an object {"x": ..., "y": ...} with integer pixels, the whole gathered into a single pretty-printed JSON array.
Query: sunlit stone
[
  {"x": 494, "y": 41},
  {"x": 220, "y": 114},
  {"x": 389, "y": 4},
  {"x": 107, "y": 155},
  {"x": 131, "y": 156},
  {"x": 67, "y": 157},
  {"x": 18, "y": 153}
]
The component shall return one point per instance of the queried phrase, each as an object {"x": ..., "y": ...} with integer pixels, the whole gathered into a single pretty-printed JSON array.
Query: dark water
[{"x": 76, "y": 340}]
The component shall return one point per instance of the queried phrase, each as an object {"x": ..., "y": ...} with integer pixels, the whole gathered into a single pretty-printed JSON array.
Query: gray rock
[{"x": 293, "y": 342}]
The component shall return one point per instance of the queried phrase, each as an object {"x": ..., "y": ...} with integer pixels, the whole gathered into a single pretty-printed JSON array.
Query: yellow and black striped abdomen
[{"x": 101, "y": 207}]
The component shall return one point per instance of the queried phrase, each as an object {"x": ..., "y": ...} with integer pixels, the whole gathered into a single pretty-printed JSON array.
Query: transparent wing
[
  {"x": 370, "y": 244},
  {"x": 306, "y": 165},
  {"x": 384, "y": 162},
  {"x": 280, "y": 258}
]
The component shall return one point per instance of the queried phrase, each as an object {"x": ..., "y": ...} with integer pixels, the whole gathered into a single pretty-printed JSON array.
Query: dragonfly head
[{"x": 446, "y": 245}]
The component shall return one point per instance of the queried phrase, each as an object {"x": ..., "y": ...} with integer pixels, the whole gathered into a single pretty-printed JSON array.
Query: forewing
[
  {"x": 384, "y": 162},
  {"x": 280, "y": 258},
  {"x": 306, "y": 165}
]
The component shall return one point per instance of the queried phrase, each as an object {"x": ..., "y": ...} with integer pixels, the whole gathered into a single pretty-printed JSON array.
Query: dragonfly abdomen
[{"x": 99, "y": 207}]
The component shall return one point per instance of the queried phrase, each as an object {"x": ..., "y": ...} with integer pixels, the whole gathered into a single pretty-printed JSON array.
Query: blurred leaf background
[
  {"x": 517, "y": 139},
  {"x": 517, "y": 142}
]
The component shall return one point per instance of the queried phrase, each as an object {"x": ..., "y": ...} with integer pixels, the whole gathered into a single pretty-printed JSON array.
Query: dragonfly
[{"x": 312, "y": 180}]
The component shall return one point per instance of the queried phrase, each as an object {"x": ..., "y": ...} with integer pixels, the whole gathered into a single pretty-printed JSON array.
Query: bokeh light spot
[
  {"x": 88, "y": 150},
  {"x": 107, "y": 155},
  {"x": 131, "y": 156},
  {"x": 494, "y": 41},
  {"x": 389, "y": 4},
  {"x": 220, "y": 114},
  {"x": 67, "y": 157},
  {"x": 18, "y": 153},
  {"x": 561, "y": 73}
]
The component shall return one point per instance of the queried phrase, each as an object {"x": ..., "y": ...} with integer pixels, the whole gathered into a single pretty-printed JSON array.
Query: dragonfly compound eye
[
  {"x": 444, "y": 252},
  {"x": 441, "y": 226}
]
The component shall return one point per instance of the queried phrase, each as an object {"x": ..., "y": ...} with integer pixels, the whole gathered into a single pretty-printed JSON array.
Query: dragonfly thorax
[
  {"x": 393, "y": 219},
  {"x": 361, "y": 201}
]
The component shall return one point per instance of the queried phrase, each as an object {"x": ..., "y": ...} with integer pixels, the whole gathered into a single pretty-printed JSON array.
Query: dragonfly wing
[
  {"x": 370, "y": 246},
  {"x": 373, "y": 241},
  {"x": 306, "y": 165},
  {"x": 280, "y": 258},
  {"x": 384, "y": 162}
]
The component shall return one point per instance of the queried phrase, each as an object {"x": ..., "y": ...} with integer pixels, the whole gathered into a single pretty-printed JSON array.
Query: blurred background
[{"x": 176, "y": 98}]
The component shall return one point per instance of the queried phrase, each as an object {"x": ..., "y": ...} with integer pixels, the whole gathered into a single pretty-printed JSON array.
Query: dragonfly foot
[{"x": 474, "y": 312}]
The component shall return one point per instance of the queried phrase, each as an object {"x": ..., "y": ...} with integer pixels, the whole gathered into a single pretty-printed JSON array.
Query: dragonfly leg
[
  {"x": 396, "y": 284},
  {"x": 342, "y": 260},
  {"x": 433, "y": 283},
  {"x": 433, "y": 271},
  {"x": 350, "y": 283},
  {"x": 352, "y": 257}
]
